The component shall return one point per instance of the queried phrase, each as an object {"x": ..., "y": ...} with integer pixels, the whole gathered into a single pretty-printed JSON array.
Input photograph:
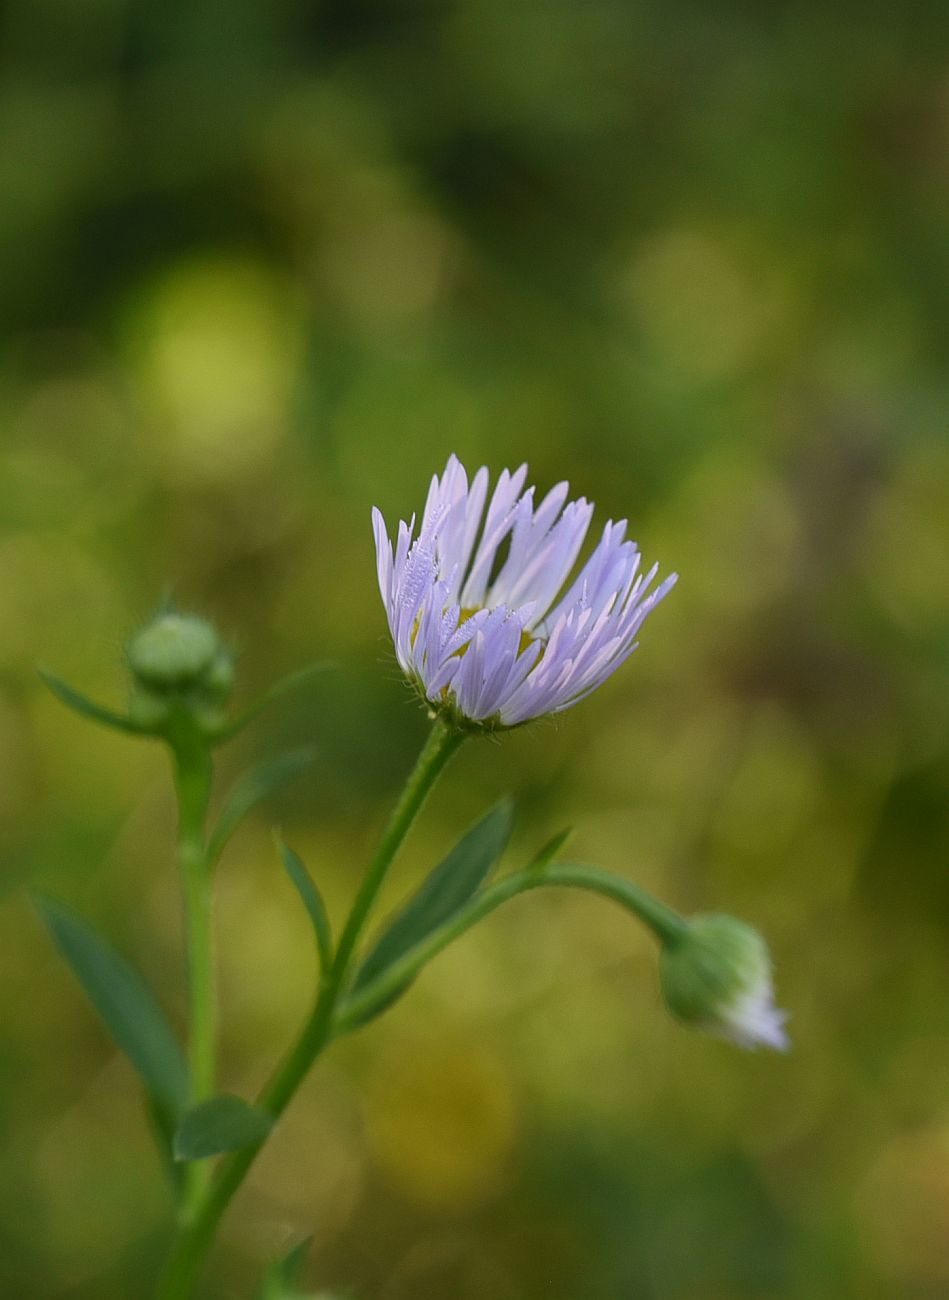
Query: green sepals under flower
[{"x": 717, "y": 976}]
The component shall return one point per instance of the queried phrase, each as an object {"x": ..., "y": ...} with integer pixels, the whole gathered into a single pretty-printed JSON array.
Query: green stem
[
  {"x": 196, "y": 1236},
  {"x": 441, "y": 744},
  {"x": 193, "y": 787},
  {"x": 665, "y": 923}
]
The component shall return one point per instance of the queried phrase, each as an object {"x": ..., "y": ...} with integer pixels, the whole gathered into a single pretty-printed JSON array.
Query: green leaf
[
  {"x": 163, "y": 1127},
  {"x": 252, "y": 788},
  {"x": 73, "y": 699},
  {"x": 291, "y": 1266},
  {"x": 221, "y": 1124},
  {"x": 280, "y": 1281},
  {"x": 446, "y": 890},
  {"x": 546, "y": 855},
  {"x": 279, "y": 689},
  {"x": 127, "y": 1008},
  {"x": 312, "y": 900}
]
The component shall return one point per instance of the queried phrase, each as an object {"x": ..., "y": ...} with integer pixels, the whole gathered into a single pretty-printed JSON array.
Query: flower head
[
  {"x": 717, "y": 976},
  {"x": 494, "y": 639}
]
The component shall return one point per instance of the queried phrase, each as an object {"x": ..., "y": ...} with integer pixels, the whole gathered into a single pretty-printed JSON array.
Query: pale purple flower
[{"x": 500, "y": 641}]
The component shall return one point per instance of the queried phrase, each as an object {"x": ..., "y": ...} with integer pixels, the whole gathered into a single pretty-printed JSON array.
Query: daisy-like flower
[
  {"x": 717, "y": 976},
  {"x": 496, "y": 639}
]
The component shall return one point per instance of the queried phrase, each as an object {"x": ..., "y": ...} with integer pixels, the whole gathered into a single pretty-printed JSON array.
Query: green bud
[
  {"x": 717, "y": 976},
  {"x": 179, "y": 670},
  {"x": 147, "y": 709},
  {"x": 175, "y": 651},
  {"x": 219, "y": 679}
]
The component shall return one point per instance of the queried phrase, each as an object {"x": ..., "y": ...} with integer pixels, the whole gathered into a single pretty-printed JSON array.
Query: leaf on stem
[
  {"x": 251, "y": 789},
  {"x": 312, "y": 900},
  {"x": 221, "y": 1124},
  {"x": 546, "y": 855},
  {"x": 447, "y": 889},
  {"x": 81, "y": 704},
  {"x": 282, "y": 1277},
  {"x": 126, "y": 1007},
  {"x": 279, "y": 689},
  {"x": 163, "y": 1127}
]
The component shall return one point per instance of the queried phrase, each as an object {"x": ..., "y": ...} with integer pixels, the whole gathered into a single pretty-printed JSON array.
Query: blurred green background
[{"x": 266, "y": 263}]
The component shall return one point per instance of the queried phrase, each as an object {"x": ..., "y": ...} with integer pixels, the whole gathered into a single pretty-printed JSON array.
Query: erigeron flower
[
  {"x": 496, "y": 640},
  {"x": 717, "y": 976}
]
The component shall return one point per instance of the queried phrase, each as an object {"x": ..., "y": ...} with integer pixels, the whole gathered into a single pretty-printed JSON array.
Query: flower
[
  {"x": 493, "y": 639},
  {"x": 717, "y": 976}
]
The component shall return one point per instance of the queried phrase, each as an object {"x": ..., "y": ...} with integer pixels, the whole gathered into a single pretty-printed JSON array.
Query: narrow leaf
[
  {"x": 282, "y": 1278},
  {"x": 252, "y": 788},
  {"x": 73, "y": 699},
  {"x": 291, "y": 1266},
  {"x": 312, "y": 900},
  {"x": 224, "y": 1123},
  {"x": 546, "y": 855},
  {"x": 163, "y": 1125},
  {"x": 446, "y": 890},
  {"x": 125, "y": 1005},
  {"x": 279, "y": 689}
]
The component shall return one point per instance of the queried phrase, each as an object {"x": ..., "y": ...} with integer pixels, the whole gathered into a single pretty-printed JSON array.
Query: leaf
[
  {"x": 546, "y": 855},
  {"x": 291, "y": 1266},
  {"x": 252, "y": 788},
  {"x": 281, "y": 688},
  {"x": 73, "y": 699},
  {"x": 312, "y": 900},
  {"x": 163, "y": 1126},
  {"x": 446, "y": 890},
  {"x": 282, "y": 1275},
  {"x": 223, "y": 1123},
  {"x": 126, "y": 1006}
]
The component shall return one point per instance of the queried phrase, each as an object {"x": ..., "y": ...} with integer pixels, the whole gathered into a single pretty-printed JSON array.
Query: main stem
[
  {"x": 193, "y": 786},
  {"x": 196, "y": 1236}
]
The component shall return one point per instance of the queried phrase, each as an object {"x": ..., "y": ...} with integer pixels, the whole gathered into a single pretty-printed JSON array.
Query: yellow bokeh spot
[
  {"x": 217, "y": 347},
  {"x": 441, "y": 1121}
]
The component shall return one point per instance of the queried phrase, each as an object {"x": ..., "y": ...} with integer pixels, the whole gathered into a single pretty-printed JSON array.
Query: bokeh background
[{"x": 266, "y": 263}]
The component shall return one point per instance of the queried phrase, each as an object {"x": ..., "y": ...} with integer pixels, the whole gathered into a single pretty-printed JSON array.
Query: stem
[
  {"x": 666, "y": 924},
  {"x": 441, "y": 744},
  {"x": 195, "y": 1236},
  {"x": 193, "y": 786}
]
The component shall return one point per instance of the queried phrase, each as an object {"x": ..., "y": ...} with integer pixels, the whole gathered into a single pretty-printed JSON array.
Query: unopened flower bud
[
  {"x": 179, "y": 667},
  {"x": 147, "y": 708},
  {"x": 219, "y": 679},
  {"x": 174, "y": 651},
  {"x": 717, "y": 976}
]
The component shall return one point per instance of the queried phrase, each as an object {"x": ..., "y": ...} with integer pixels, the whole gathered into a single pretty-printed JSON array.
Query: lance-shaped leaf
[
  {"x": 446, "y": 890},
  {"x": 282, "y": 1277},
  {"x": 279, "y": 689},
  {"x": 74, "y": 699},
  {"x": 126, "y": 1007},
  {"x": 221, "y": 1124},
  {"x": 312, "y": 900},
  {"x": 545, "y": 855},
  {"x": 252, "y": 788}
]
